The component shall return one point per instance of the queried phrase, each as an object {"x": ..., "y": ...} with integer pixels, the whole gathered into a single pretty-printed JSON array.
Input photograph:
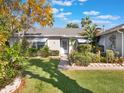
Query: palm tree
[
  {"x": 91, "y": 31},
  {"x": 85, "y": 21}
]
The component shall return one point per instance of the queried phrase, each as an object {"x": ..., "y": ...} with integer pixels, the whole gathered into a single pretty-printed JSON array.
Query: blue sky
[{"x": 103, "y": 12}]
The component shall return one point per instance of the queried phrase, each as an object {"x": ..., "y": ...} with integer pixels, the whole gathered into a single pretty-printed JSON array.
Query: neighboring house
[
  {"x": 62, "y": 39},
  {"x": 113, "y": 39}
]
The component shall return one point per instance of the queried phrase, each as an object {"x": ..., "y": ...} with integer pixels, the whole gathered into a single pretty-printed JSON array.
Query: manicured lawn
[{"x": 42, "y": 76}]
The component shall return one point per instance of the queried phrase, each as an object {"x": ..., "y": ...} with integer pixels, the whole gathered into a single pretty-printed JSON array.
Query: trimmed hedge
[
  {"x": 80, "y": 59},
  {"x": 84, "y": 48},
  {"x": 54, "y": 53}
]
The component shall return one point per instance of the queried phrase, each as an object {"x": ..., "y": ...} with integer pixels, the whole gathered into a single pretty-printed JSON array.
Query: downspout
[
  {"x": 104, "y": 43},
  {"x": 122, "y": 42}
]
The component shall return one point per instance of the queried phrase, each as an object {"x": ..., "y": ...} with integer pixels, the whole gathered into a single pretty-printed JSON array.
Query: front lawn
[{"x": 42, "y": 76}]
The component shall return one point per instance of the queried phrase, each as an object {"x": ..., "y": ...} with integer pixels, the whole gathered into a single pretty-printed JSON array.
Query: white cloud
[
  {"x": 63, "y": 15},
  {"x": 101, "y": 22},
  {"x": 61, "y": 9},
  {"x": 55, "y": 10},
  {"x": 63, "y": 3},
  {"x": 65, "y": 18},
  {"x": 82, "y": 0},
  {"x": 91, "y": 13},
  {"x": 110, "y": 17},
  {"x": 74, "y": 21}
]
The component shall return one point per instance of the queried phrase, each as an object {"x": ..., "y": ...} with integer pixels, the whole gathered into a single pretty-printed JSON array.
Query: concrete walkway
[
  {"x": 64, "y": 65},
  {"x": 64, "y": 61}
]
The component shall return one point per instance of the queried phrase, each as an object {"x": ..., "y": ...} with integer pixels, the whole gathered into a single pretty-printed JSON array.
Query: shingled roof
[
  {"x": 114, "y": 29},
  {"x": 66, "y": 32}
]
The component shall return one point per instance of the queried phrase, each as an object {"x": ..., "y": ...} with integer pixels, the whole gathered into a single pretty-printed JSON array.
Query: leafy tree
[
  {"x": 24, "y": 46},
  {"x": 17, "y": 16},
  {"x": 86, "y": 21},
  {"x": 91, "y": 31},
  {"x": 29, "y": 12},
  {"x": 4, "y": 31},
  {"x": 72, "y": 25}
]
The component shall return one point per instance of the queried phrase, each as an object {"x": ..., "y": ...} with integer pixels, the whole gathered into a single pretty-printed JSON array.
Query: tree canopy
[
  {"x": 16, "y": 15},
  {"x": 86, "y": 21},
  {"x": 90, "y": 30},
  {"x": 72, "y": 25}
]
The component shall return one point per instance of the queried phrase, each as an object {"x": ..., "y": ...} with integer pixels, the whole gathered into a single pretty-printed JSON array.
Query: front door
[{"x": 64, "y": 46}]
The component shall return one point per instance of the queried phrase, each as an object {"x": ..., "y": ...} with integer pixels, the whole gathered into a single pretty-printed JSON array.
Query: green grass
[{"x": 42, "y": 76}]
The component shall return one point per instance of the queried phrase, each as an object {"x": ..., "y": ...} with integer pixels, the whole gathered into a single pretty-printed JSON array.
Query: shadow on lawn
[{"x": 57, "y": 78}]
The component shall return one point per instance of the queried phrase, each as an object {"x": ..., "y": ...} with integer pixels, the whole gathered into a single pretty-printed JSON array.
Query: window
[
  {"x": 112, "y": 39},
  {"x": 34, "y": 45},
  {"x": 38, "y": 44}
]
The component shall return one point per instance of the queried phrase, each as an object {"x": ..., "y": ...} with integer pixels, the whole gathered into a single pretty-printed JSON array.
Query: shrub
[
  {"x": 110, "y": 56},
  {"x": 24, "y": 46},
  {"x": 32, "y": 52},
  {"x": 103, "y": 59},
  {"x": 13, "y": 55},
  {"x": 7, "y": 73},
  {"x": 85, "y": 60},
  {"x": 80, "y": 59},
  {"x": 72, "y": 57},
  {"x": 84, "y": 48},
  {"x": 10, "y": 63},
  {"x": 97, "y": 48},
  {"x": 116, "y": 53},
  {"x": 44, "y": 52},
  {"x": 95, "y": 58},
  {"x": 121, "y": 60},
  {"x": 54, "y": 53},
  {"x": 103, "y": 54}
]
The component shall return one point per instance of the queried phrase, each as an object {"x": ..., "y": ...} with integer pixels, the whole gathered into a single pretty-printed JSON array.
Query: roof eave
[{"x": 121, "y": 28}]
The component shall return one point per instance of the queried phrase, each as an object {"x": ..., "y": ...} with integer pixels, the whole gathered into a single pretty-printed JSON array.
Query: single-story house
[
  {"x": 61, "y": 38},
  {"x": 55, "y": 38},
  {"x": 113, "y": 39}
]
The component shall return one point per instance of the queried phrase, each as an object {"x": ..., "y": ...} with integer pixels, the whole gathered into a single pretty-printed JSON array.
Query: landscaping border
[
  {"x": 93, "y": 66},
  {"x": 12, "y": 86}
]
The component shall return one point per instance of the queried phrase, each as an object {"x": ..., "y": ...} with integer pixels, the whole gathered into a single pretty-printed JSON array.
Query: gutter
[{"x": 122, "y": 42}]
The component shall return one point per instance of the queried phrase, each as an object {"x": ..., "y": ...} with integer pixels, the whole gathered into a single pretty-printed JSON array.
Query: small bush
[
  {"x": 103, "y": 60},
  {"x": 95, "y": 58},
  {"x": 103, "y": 54},
  {"x": 97, "y": 48},
  {"x": 121, "y": 60},
  {"x": 24, "y": 46},
  {"x": 44, "y": 52},
  {"x": 116, "y": 53},
  {"x": 84, "y": 48},
  {"x": 85, "y": 60},
  {"x": 80, "y": 59},
  {"x": 72, "y": 57},
  {"x": 32, "y": 52},
  {"x": 54, "y": 53},
  {"x": 110, "y": 56}
]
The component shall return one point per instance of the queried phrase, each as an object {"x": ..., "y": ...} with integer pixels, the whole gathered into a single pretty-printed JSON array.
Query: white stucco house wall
[
  {"x": 54, "y": 38},
  {"x": 113, "y": 39}
]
